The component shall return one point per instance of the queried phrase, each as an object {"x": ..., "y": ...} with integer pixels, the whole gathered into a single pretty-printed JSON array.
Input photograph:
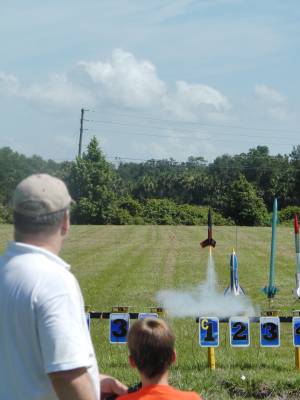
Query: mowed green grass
[{"x": 127, "y": 265}]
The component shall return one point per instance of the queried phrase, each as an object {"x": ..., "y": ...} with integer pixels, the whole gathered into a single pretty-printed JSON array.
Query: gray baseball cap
[{"x": 40, "y": 194}]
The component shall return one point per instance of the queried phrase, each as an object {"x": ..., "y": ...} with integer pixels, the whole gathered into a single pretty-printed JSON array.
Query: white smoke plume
[{"x": 204, "y": 300}]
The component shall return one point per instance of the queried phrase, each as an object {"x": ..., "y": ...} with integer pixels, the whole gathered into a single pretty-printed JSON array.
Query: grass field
[{"x": 127, "y": 265}]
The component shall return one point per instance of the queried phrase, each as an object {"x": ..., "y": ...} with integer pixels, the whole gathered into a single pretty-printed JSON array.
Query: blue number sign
[
  {"x": 269, "y": 331},
  {"x": 209, "y": 331},
  {"x": 296, "y": 331},
  {"x": 118, "y": 328},
  {"x": 239, "y": 331},
  {"x": 147, "y": 315}
]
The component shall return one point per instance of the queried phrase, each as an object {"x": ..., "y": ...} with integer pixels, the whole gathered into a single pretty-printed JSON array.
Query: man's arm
[{"x": 75, "y": 384}]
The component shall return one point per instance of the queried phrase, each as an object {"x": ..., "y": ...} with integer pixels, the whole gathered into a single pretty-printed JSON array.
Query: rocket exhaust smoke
[{"x": 204, "y": 300}]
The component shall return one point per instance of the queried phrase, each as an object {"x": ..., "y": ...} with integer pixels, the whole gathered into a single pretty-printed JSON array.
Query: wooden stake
[
  {"x": 211, "y": 358},
  {"x": 297, "y": 357}
]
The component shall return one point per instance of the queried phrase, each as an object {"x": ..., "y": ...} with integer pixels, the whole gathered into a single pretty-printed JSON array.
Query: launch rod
[
  {"x": 211, "y": 358},
  {"x": 273, "y": 247}
]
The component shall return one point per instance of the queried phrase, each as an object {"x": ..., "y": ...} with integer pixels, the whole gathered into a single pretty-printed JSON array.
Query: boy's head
[{"x": 151, "y": 346}]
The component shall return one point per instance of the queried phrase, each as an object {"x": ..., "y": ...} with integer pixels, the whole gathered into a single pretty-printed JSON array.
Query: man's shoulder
[
  {"x": 55, "y": 280},
  {"x": 42, "y": 275},
  {"x": 41, "y": 266}
]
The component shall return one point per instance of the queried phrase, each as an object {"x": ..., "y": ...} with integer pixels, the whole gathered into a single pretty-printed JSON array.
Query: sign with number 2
[{"x": 239, "y": 331}]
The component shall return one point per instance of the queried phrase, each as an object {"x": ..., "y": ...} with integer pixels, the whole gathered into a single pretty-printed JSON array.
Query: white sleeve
[{"x": 63, "y": 338}]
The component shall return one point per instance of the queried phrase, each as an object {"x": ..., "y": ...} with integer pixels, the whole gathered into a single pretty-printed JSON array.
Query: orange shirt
[{"x": 160, "y": 392}]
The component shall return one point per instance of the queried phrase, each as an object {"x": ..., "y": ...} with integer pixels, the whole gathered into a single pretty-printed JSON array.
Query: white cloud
[
  {"x": 8, "y": 83},
  {"x": 271, "y": 103},
  {"x": 58, "y": 91},
  {"x": 126, "y": 80},
  {"x": 123, "y": 81},
  {"x": 192, "y": 101},
  {"x": 266, "y": 93}
]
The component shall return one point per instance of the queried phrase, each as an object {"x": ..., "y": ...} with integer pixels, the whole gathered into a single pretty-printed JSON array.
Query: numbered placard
[
  {"x": 88, "y": 320},
  {"x": 118, "y": 327},
  {"x": 239, "y": 331},
  {"x": 296, "y": 331},
  {"x": 269, "y": 331},
  {"x": 147, "y": 315},
  {"x": 209, "y": 331}
]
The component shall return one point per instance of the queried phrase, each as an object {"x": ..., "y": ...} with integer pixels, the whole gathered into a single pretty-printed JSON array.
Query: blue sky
[{"x": 162, "y": 78}]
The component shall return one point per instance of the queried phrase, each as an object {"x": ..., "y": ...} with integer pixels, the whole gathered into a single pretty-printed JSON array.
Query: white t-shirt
[{"x": 43, "y": 326}]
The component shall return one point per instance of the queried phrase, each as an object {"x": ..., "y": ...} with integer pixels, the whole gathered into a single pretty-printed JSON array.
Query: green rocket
[
  {"x": 297, "y": 250},
  {"x": 271, "y": 289}
]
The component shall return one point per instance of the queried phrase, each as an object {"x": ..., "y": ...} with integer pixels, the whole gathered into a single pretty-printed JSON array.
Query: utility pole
[{"x": 80, "y": 132}]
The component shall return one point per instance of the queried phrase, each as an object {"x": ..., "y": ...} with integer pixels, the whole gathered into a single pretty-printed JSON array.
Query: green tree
[
  {"x": 14, "y": 167},
  {"x": 93, "y": 184},
  {"x": 295, "y": 163},
  {"x": 244, "y": 206},
  {"x": 270, "y": 174}
]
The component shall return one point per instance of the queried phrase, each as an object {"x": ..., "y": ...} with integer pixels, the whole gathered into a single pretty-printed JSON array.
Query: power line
[
  {"x": 107, "y": 122},
  {"x": 194, "y": 138},
  {"x": 175, "y": 121}
]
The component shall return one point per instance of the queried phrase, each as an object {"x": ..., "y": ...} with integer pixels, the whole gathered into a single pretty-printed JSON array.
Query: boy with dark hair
[{"x": 151, "y": 350}]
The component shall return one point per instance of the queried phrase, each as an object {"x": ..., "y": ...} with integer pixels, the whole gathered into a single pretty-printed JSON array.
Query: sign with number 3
[
  {"x": 269, "y": 331},
  {"x": 118, "y": 328}
]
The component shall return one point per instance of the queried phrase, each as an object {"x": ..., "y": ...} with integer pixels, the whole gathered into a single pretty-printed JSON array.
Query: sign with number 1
[
  {"x": 209, "y": 331},
  {"x": 118, "y": 328}
]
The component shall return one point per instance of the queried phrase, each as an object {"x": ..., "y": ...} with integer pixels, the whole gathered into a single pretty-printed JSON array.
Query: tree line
[{"x": 240, "y": 188}]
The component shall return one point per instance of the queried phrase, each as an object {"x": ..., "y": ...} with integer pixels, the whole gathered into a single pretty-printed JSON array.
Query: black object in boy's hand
[{"x": 131, "y": 389}]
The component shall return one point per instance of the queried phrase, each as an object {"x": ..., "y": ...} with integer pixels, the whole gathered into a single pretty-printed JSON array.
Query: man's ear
[
  {"x": 65, "y": 226},
  {"x": 174, "y": 357},
  {"x": 131, "y": 361}
]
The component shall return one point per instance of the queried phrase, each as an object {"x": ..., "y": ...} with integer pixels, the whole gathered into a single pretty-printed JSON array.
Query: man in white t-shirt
[{"x": 45, "y": 348}]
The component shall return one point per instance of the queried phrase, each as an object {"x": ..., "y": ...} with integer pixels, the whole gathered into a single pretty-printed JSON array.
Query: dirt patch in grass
[{"x": 262, "y": 390}]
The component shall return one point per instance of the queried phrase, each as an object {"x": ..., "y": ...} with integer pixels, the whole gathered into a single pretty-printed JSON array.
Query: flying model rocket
[
  {"x": 209, "y": 241},
  {"x": 297, "y": 250},
  {"x": 271, "y": 289},
  {"x": 234, "y": 288}
]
